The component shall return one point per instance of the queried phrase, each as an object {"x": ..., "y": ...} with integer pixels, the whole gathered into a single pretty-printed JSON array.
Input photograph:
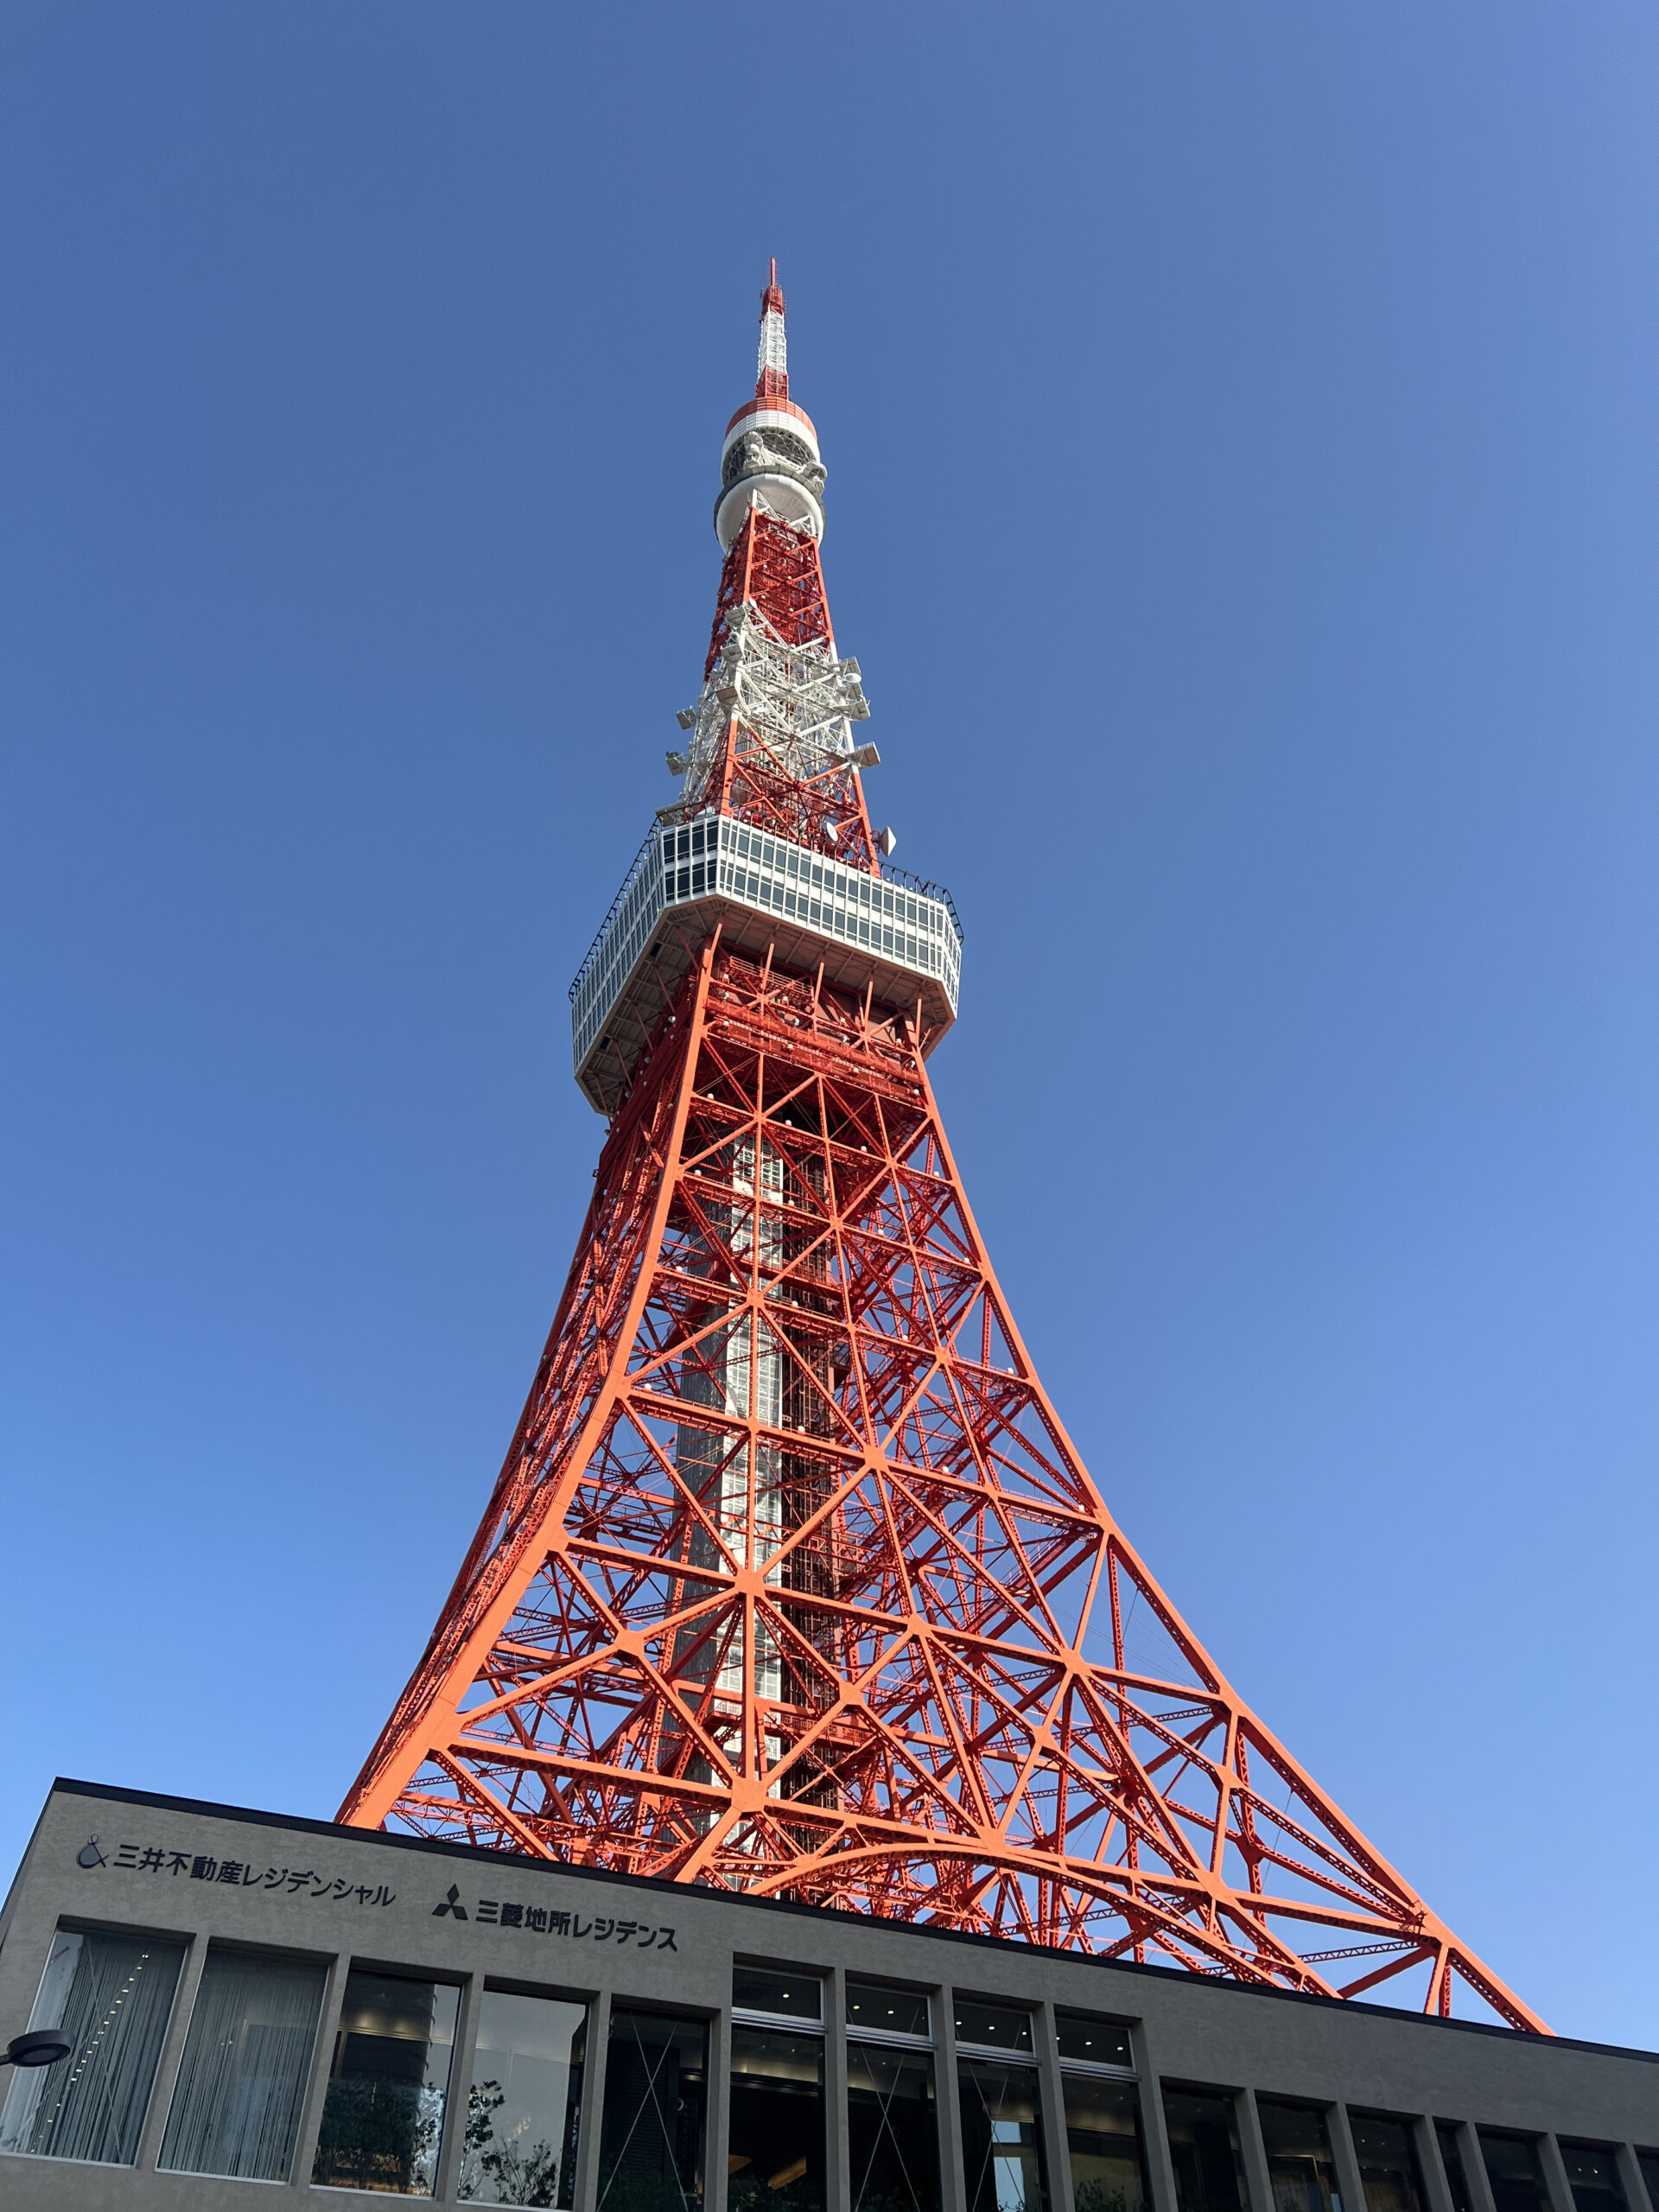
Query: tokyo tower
[{"x": 792, "y": 1582}]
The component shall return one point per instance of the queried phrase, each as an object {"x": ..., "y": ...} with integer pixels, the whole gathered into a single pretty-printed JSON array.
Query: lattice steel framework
[
  {"x": 792, "y": 1582},
  {"x": 771, "y": 742}
]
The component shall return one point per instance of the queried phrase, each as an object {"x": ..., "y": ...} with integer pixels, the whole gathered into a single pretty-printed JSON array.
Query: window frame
[
  {"x": 343, "y": 1964},
  {"x": 750, "y": 2016},
  {"x": 313, "y": 2082},
  {"x": 1108, "y": 2069},
  {"x": 1231, "y": 2094},
  {"x": 900, "y": 2043},
  {"x": 169, "y": 2053},
  {"x": 1409, "y": 2122},
  {"x": 831, "y": 2075},
  {"x": 1032, "y": 2010},
  {"x": 480, "y": 1986},
  {"x": 604, "y": 2004},
  {"x": 896, "y": 2039}
]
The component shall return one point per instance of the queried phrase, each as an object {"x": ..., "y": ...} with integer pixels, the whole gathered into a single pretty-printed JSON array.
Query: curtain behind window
[
  {"x": 241, "y": 2085},
  {"x": 110, "y": 1995}
]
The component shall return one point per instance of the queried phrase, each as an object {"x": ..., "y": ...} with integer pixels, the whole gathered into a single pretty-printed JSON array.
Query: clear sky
[{"x": 1242, "y": 452}]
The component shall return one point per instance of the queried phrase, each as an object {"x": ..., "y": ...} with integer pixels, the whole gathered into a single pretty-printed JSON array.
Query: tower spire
[
  {"x": 793, "y": 1581},
  {"x": 771, "y": 374},
  {"x": 771, "y": 451}
]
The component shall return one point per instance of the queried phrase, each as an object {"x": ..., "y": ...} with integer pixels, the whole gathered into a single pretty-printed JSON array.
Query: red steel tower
[{"x": 793, "y": 1581}]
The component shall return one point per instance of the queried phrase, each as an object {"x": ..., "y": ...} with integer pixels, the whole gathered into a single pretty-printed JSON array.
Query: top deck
[{"x": 898, "y": 938}]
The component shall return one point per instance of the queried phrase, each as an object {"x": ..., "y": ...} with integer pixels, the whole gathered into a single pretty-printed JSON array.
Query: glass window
[
  {"x": 1300, "y": 2165},
  {"x": 236, "y": 2109},
  {"x": 523, "y": 2108},
  {"x": 1103, "y": 2042},
  {"x": 1202, "y": 2128},
  {"x": 795, "y": 1996},
  {"x": 1593, "y": 2174},
  {"x": 1002, "y": 2157},
  {"x": 775, "y": 2149},
  {"x": 893, "y": 2129},
  {"x": 1000, "y": 2027},
  {"x": 1102, "y": 2141},
  {"x": 895, "y": 2011},
  {"x": 1388, "y": 2163},
  {"x": 111, "y": 1996},
  {"x": 650, "y": 2138},
  {"x": 1649, "y": 2162},
  {"x": 383, "y": 2117},
  {"x": 1457, "y": 2180},
  {"x": 1513, "y": 2169}
]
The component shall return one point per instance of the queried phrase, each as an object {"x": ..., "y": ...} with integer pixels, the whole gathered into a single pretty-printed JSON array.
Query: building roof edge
[{"x": 72, "y": 1787}]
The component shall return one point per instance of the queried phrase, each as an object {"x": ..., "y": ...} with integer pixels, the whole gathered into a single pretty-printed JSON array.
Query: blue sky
[{"x": 1242, "y": 439}]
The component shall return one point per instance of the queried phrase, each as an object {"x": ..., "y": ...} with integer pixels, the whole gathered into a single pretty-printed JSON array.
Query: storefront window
[
  {"x": 1300, "y": 2165},
  {"x": 1103, "y": 2140},
  {"x": 1513, "y": 2170},
  {"x": 650, "y": 2142},
  {"x": 236, "y": 2109},
  {"x": 1457, "y": 2180},
  {"x": 775, "y": 2149},
  {"x": 523, "y": 2108},
  {"x": 383, "y": 2118},
  {"x": 1592, "y": 2176},
  {"x": 110, "y": 1995},
  {"x": 1003, "y": 2164},
  {"x": 1388, "y": 2163},
  {"x": 1204, "y": 2147},
  {"x": 892, "y": 2126}
]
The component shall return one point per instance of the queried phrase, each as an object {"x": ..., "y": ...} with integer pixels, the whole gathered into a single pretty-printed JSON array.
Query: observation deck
[{"x": 891, "y": 935}]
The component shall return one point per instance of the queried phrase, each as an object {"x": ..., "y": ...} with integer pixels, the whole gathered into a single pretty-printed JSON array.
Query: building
[{"x": 252, "y": 2000}]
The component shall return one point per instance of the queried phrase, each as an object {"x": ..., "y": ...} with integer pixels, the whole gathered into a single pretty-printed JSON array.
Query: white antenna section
[
  {"x": 774, "y": 345},
  {"x": 797, "y": 700}
]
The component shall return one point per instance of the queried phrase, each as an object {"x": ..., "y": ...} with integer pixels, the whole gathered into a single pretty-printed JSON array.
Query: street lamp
[{"x": 39, "y": 2047}]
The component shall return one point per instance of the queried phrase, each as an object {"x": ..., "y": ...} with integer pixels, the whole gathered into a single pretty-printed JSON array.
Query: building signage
[
  {"x": 292, "y": 1881},
  {"x": 200, "y": 1866},
  {"x": 537, "y": 1920}
]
